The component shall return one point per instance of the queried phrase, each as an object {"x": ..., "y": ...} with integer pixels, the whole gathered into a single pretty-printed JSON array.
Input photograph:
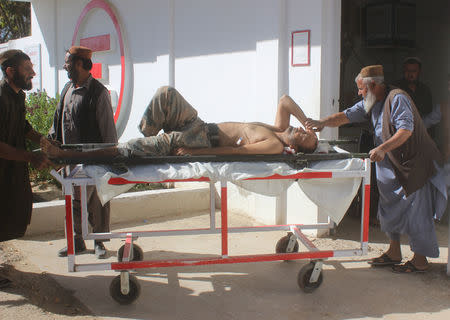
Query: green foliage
[
  {"x": 149, "y": 186},
  {"x": 15, "y": 20},
  {"x": 40, "y": 109}
]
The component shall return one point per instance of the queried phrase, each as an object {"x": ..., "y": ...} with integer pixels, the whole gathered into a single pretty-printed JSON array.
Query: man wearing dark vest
[
  {"x": 15, "y": 189},
  {"x": 84, "y": 115},
  {"x": 410, "y": 181}
]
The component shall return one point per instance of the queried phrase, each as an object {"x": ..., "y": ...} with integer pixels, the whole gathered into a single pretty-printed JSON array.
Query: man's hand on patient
[{"x": 315, "y": 125}]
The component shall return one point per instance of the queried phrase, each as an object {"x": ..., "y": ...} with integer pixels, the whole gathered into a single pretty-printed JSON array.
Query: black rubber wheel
[
  {"x": 282, "y": 244},
  {"x": 117, "y": 295},
  {"x": 303, "y": 278},
  {"x": 136, "y": 255}
]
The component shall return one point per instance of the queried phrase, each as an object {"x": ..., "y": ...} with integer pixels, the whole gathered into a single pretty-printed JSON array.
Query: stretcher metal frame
[{"x": 125, "y": 289}]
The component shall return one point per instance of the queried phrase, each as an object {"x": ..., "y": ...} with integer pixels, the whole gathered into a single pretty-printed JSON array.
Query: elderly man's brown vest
[{"x": 413, "y": 160}]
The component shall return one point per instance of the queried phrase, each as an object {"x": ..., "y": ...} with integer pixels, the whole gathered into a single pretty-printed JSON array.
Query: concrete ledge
[{"x": 49, "y": 216}]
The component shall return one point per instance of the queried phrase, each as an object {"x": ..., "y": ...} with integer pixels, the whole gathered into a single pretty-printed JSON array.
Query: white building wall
[
  {"x": 330, "y": 63},
  {"x": 304, "y": 81},
  {"x": 145, "y": 25},
  {"x": 226, "y": 58}
]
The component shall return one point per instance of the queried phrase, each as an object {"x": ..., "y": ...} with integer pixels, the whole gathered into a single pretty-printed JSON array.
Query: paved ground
[{"x": 350, "y": 290}]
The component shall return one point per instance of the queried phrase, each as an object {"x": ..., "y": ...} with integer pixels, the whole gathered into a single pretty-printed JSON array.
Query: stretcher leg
[
  {"x": 224, "y": 217},
  {"x": 130, "y": 251},
  {"x": 70, "y": 234}
]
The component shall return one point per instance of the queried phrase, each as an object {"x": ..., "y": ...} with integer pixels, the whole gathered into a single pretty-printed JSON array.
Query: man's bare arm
[
  {"x": 399, "y": 138},
  {"x": 286, "y": 108},
  {"x": 268, "y": 146},
  {"x": 34, "y": 136},
  {"x": 54, "y": 152},
  {"x": 38, "y": 160}
]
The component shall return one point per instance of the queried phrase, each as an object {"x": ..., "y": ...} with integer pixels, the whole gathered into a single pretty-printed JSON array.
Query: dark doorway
[{"x": 386, "y": 32}]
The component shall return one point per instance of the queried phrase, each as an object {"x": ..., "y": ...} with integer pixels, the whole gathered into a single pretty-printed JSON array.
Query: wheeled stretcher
[{"x": 216, "y": 169}]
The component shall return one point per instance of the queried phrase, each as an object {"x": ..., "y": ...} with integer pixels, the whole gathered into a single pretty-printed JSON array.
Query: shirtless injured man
[{"x": 186, "y": 134}]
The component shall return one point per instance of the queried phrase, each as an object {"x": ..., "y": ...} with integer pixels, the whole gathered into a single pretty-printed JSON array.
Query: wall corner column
[{"x": 283, "y": 50}]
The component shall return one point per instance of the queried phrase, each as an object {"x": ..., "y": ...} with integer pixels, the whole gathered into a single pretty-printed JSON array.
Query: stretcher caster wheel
[
  {"x": 283, "y": 244},
  {"x": 136, "y": 255},
  {"x": 304, "y": 278},
  {"x": 133, "y": 293}
]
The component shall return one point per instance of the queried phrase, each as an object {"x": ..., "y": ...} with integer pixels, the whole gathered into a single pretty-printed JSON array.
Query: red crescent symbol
[{"x": 101, "y": 4}]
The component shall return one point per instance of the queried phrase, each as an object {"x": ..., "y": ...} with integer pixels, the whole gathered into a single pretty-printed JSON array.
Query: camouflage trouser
[{"x": 169, "y": 111}]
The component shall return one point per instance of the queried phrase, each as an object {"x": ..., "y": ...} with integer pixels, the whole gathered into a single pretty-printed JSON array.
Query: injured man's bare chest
[{"x": 238, "y": 134}]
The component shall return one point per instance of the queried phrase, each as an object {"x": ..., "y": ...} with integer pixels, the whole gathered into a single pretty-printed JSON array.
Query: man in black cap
[
  {"x": 15, "y": 189},
  {"x": 84, "y": 115},
  {"x": 419, "y": 93}
]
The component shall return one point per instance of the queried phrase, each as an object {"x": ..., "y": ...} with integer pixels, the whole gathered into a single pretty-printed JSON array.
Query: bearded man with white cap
[{"x": 411, "y": 189}]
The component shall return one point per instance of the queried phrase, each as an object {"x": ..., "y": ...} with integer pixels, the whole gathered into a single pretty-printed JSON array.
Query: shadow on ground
[
  {"x": 42, "y": 290},
  {"x": 269, "y": 291}
]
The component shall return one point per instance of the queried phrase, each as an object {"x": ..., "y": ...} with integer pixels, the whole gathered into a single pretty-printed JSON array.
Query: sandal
[
  {"x": 384, "y": 260},
  {"x": 407, "y": 267}
]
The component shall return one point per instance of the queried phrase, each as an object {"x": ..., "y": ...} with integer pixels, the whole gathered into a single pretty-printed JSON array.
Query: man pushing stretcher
[{"x": 185, "y": 133}]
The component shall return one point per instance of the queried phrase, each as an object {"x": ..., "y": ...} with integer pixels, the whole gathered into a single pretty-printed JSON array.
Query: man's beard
[
  {"x": 21, "y": 82},
  {"x": 73, "y": 75},
  {"x": 369, "y": 101}
]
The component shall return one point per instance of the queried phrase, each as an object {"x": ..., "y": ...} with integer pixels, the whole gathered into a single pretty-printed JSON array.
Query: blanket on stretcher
[{"x": 333, "y": 196}]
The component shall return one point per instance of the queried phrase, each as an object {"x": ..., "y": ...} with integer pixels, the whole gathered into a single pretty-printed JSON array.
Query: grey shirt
[{"x": 104, "y": 114}]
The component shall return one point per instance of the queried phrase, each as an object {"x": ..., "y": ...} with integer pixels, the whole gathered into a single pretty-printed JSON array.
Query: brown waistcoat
[{"x": 413, "y": 160}]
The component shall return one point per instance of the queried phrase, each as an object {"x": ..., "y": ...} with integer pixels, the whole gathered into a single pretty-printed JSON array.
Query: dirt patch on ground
[
  {"x": 43, "y": 192},
  {"x": 34, "y": 294}
]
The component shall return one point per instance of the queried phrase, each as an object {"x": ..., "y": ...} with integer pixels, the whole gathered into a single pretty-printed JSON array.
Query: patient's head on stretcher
[{"x": 302, "y": 140}]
